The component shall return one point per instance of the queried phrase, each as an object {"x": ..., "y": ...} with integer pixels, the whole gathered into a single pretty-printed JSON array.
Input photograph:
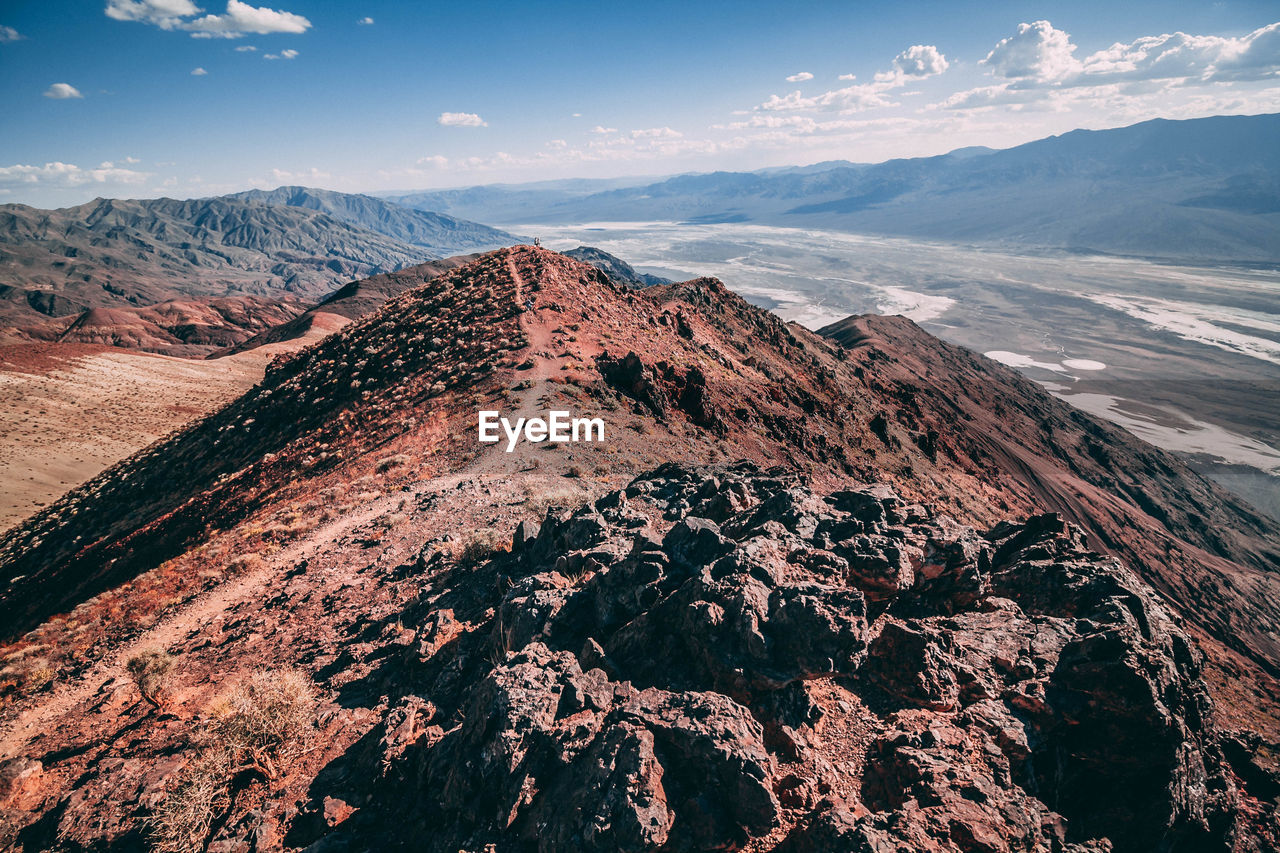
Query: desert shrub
[
  {"x": 480, "y": 545},
  {"x": 389, "y": 520},
  {"x": 267, "y": 719},
  {"x": 287, "y": 526},
  {"x": 182, "y": 822},
  {"x": 540, "y": 498},
  {"x": 246, "y": 563},
  {"x": 151, "y": 671},
  {"x": 385, "y": 465}
]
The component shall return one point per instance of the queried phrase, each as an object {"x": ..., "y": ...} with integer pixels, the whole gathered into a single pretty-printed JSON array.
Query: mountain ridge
[
  {"x": 1178, "y": 189},
  {"x": 437, "y": 233},
  {"x": 287, "y": 245}
]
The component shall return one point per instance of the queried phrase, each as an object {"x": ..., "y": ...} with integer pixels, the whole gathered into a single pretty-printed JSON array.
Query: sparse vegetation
[
  {"x": 389, "y": 520},
  {"x": 151, "y": 671},
  {"x": 266, "y": 720},
  {"x": 245, "y": 563},
  {"x": 388, "y": 463},
  {"x": 181, "y": 824},
  {"x": 480, "y": 545},
  {"x": 541, "y": 498}
]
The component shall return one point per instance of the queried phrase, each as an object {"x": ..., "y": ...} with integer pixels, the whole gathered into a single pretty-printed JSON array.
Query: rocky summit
[{"x": 719, "y": 658}]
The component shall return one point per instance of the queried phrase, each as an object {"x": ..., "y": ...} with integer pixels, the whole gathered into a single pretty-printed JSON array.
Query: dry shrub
[
  {"x": 266, "y": 720},
  {"x": 182, "y": 822},
  {"x": 246, "y": 563},
  {"x": 482, "y": 544},
  {"x": 289, "y": 526},
  {"x": 389, "y": 520},
  {"x": 151, "y": 671},
  {"x": 539, "y": 499},
  {"x": 386, "y": 464}
]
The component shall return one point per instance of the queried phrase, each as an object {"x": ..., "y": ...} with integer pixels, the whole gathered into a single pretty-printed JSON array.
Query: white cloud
[
  {"x": 656, "y": 133},
  {"x": 1037, "y": 51},
  {"x": 461, "y": 120},
  {"x": 914, "y": 63},
  {"x": 920, "y": 60},
  {"x": 62, "y": 91},
  {"x": 601, "y": 129},
  {"x": 245, "y": 48},
  {"x": 9, "y": 34},
  {"x": 847, "y": 77},
  {"x": 284, "y": 54},
  {"x": 132, "y": 160},
  {"x": 557, "y": 144},
  {"x": 863, "y": 96},
  {"x": 800, "y": 78},
  {"x": 437, "y": 161},
  {"x": 365, "y": 22},
  {"x": 198, "y": 72},
  {"x": 1255, "y": 56},
  {"x": 1043, "y": 73},
  {"x": 166, "y": 14},
  {"x": 62, "y": 175},
  {"x": 577, "y": 115},
  {"x": 312, "y": 175},
  {"x": 239, "y": 19}
]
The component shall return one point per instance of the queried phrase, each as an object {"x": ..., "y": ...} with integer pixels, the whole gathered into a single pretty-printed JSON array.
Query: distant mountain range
[
  {"x": 57, "y": 266},
  {"x": 439, "y": 234},
  {"x": 1201, "y": 189}
]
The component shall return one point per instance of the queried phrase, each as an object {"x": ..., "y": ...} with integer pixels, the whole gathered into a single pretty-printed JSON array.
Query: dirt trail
[{"x": 16, "y": 734}]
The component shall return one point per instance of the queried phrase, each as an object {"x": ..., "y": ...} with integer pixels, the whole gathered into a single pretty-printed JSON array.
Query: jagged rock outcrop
[{"x": 654, "y": 672}]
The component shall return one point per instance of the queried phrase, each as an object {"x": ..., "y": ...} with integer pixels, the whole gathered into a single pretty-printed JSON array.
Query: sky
[{"x": 190, "y": 98}]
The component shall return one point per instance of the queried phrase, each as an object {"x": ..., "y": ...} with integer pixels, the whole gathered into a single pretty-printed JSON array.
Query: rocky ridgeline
[
  {"x": 331, "y": 400},
  {"x": 679, "y": 667}
]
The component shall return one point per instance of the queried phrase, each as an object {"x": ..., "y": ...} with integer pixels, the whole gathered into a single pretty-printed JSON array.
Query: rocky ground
[{"x": 717, "y": 658}]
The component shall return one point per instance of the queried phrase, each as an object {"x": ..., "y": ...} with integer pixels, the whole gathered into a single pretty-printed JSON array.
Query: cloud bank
[
  {"x": 65, "y": 175},
  {"x": 461, "y": 120},
  {"x": 240, "y": 19}
]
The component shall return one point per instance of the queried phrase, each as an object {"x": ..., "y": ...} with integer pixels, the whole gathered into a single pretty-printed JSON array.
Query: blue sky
[{"x": 173, "y": 97}]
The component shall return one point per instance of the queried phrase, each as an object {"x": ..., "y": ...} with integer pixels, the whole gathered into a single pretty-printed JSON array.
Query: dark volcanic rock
[
  {"x": 636, "y": 690},
  {"x": 563, "y": 759}
]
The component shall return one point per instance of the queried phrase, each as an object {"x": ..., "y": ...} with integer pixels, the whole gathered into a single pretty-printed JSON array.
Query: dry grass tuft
[
  {"x": 481, "y": 545},
  {"x": 266, "y": 720},
  {"x": 151, "y": 671},
  {"x": 542, "y": 497},
  {"x": 386, "y": 464}
]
